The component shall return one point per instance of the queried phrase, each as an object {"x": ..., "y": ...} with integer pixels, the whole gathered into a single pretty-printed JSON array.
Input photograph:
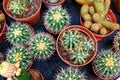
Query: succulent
[
  {"x": 26, "y": 1},
  {"x": 107, "y": 64},
  {"x": 56, "y": 19},
  {"x": 87, "y": 24},
  {"x": 53, "y": 1},
  {"x": 42, "y": 45},
  {"x": 84, "y": 9},
  {"x": 16, "y": 7},
  {"x": 2, "y": 17},
  {"x": 18, "y": 33},
  {"x": 19, "y": 55},
  {"x": 70, "y": 74},
  {"x": 87, "y": 17}
]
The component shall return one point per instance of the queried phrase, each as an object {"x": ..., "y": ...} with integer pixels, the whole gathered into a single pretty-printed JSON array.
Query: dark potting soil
[
  {"x": 31, "y": 8},
  {"x": 1, "y": 26}
]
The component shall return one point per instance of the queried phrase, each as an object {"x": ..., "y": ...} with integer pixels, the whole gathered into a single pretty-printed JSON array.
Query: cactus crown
[
  {"x": 78, "y": 45},
  {"x": 107, "y": 64},
  {"x": 43, "y": 45},
  {"x": 18, "y": 33},
  {"x": 53, "y": 1},
  {"x": 56, "y": 19},
  {"x": 19, "y": 55},
  {"x": 70, "y": 74}
]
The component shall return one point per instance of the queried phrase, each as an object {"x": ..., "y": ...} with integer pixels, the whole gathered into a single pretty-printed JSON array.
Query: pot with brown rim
[
  {"x": 27, "y": 11},
  {"x": 76, "y": 45}
]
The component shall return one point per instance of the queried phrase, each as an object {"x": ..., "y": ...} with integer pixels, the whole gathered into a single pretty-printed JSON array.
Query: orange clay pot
[
  {"x": 33, "y": 19},
  {"x": 85, "y": 31},
  {"x": 3, "y": 32},
  {"x": 111, "y": 17}
]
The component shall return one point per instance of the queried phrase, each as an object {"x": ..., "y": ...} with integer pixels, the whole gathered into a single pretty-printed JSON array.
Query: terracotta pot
[
  {"x": 85, "y": 31},
  {"x": 3, "y": 32},
  {"x": 117, "y": 6},
  {"x": 111, "y": 17},
  {"x": 53, "y": 4},
  {"x": 33, "y": 19},
  {"x": 36, "y": 75}
]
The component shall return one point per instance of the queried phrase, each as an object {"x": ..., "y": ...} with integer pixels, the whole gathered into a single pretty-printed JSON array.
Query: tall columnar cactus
[
  {"x": 53, "y": 1},
  {"x": 107, "y": 64},
  {"x": 42, "y": 45},
  {"x": 70, "y": 74},
  {"x": 16, "y": 7},
  {"x": 19, "y": 55},
  {"x": 18, "y": 33},
  {"x": 56, "y": 19}
]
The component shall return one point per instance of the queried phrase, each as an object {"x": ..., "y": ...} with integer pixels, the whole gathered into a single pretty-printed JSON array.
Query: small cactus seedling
[
  {"x": 18, "y": 33},
  {"x": 107, "y": 65},
  {"x": 70, "y": 74},
  {"x": 42, "y": 45},
  {"x": 56, "y": 19},
  {"x": 53, "y": 1},
  {"x": 19, "y": 55},
  {"x": 16, "y": 7}
]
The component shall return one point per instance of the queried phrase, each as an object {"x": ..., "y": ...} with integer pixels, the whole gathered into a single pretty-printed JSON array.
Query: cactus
[
  {"x": 53, "y": 1},
  {"x": 103, "y": 31},
  {"x": 84, "y": 9},
  {"x": 70, "y": 74},
  {"x": 26, "y": 1},
  {"x": 95, "y": 27},
  {"x": 96, "y": 17},
  {"x": 87, "y": 17},
  {"x": 87, "y": 24},
  {"x": 2, "y": 17},
  {"x": 42, "y": 45},
  {"x": 107, "y": 64},
  {"x": 56, "y": 19},
  {"x": 18, "y": 33},
  {"x": 82, "y": 51},
  {"x": 16, "y": 7},
  {"x": 91, "y": 10},
  {"x": 19, "y": 55}
]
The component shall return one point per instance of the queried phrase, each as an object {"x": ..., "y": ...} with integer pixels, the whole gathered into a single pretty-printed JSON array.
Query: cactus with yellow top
[{"x": 107, "y": 65}]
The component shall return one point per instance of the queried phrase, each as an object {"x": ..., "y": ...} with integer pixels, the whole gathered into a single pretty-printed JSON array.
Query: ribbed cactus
[
  {"x": 19, "y": 55},
  {"x": 56, "y": 19},
  {"x": 18, "y": 33},
  {"x": 26, "y": 1},
  {"x": 53, "y": 1},
  {"x": 70, "y": 74},
  {"x": 16, "y": 7},
  {"x": 107, "y": 64},
  {"x": 42, "y": 45}
]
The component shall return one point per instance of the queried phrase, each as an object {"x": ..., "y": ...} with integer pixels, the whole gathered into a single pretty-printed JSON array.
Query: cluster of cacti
[
  {"x": 53, "y": 1},
  {"x": 56, "y": 19},
  {"x": 70, "y": 74},
  {"x": 18, "y": 33},
  {"x": 78, "y": 45},
  {"x": 2, "y": 18},
  {"x": 107, "y": 64},
  {"x": 116, "y": 42},
  {"x": 19, "y": 55},
  {"x": 95, "y": 14},
  {"x": 42, "y": 45}
]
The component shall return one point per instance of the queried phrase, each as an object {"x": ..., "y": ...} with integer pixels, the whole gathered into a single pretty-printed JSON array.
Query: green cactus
[
  {"x": 43, "y": 45},
  {"x": 56, "y": 19},
  {"x": 91, "y": 10},
  {"x": 107, "y": 64},
  {"x": 87, "y": 24},
  {"x": 19, "y": 55},
  {"x": 26, "y": 1},
  {"x": 82, "y": 51},
  {"x": 16, "y": 7},
  {"x": 96, "y": 17},
  {"x": 87, "y": 17},
  {"x": 70, "y": 74},
  {"x": 70, "y": 39},
  {"x": 84, "y": 10},
  {"x": 53, "y": 1},
  {"x": 18, "y": 33}
]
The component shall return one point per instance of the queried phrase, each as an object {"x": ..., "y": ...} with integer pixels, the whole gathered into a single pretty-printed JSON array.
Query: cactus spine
[
  {"x": 107, "y": 64},
  {"x": 42, "y": 45}
]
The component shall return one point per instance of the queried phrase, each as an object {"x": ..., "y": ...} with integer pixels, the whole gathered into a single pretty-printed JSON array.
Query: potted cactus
[
  {"x": 19, "y": 33},
  {"x": 106, "y": 65},
  {"x": 55, "y": 20},
  {"x": 76, "y": 46},
  {"x": 27, "y": 11},
  {"x": 20, "y": 55},
  {"x": 70, "y": 74},
  {"x": 42, "y": 45},
  {"x": 2, "y": 27},
  {"x": 53, "y": 3},
  {"x": 98, "y": 18}
]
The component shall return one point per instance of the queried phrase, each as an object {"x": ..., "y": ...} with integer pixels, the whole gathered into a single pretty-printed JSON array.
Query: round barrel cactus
[{"x": 53, "y": 1}]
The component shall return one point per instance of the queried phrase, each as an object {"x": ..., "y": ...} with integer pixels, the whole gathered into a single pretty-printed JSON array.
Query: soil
[
  {"x": 1, "y": 26},
  {"x": 31, "y": 8}
]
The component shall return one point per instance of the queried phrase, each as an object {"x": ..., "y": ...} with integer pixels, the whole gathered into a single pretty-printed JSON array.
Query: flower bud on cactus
[
  {"x": 19, "y": 55},
  {"x": 18, "y": 33},
  {"x": 107, "y": 64},
  {"x": 42, "y": 45},
  {"x": 70, "y": 74},
  {"x": 53, "y": 1},
  {"x": 56, "y": 19},
  {"x": 16, "y": 7}
]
